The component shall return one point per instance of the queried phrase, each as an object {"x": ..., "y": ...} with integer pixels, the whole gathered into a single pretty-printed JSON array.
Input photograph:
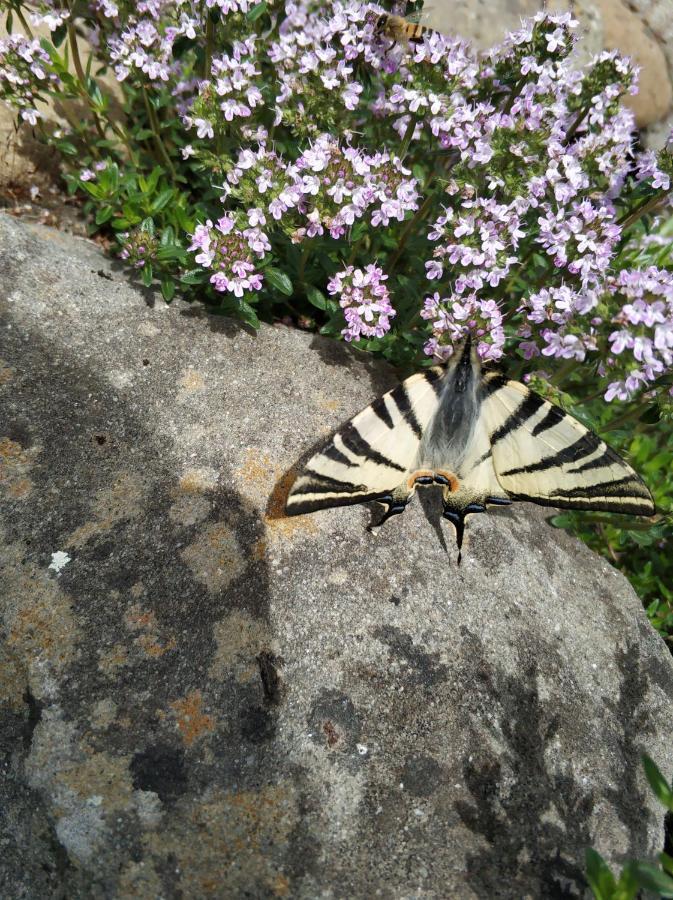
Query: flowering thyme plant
[{"x": 283, "y": 158}]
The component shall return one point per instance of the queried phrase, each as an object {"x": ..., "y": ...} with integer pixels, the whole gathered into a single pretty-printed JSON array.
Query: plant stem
[
  {"x": 408, "y": 135},
  {"x": 416, "y": 219},
  {"x": 26, "y": 26},
  {"x": 302, "y": 263},
  {"x": 570, "y": 133},
  {"x": 81, "y": 76},
  {"x": 648, "y": 206},
  {"x": 210, "y": 36},
  {"x": 568, "y": 366},
  {"x": 156, "y": 130},
  {"x": 620, "y": 420}
]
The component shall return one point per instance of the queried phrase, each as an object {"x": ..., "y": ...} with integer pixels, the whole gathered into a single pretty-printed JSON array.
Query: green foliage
[{"x": 636, "y": 875}]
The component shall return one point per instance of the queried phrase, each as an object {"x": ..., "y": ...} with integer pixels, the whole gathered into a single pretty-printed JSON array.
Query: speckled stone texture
[{"x": 203, "y": 699}]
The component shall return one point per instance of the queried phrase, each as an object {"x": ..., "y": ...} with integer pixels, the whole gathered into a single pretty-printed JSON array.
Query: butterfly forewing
[
  {"x": 374, "y": 452},
  {"x": 542, "y": 454}
]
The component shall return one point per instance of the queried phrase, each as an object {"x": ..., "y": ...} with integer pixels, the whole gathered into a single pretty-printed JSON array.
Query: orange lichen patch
[
  {"x": 215, "y": 557},
  {"x": 258, "y": 549},
  {"x": 230, "y": 843},
  {"x": 197, "y": 481},
  {"x": 20, "y": 488},
  {"x": 280, "y": 886},
  {"x": 136, "y": 617},
  {"x": 6, "y": 374},
  {"x": 239, "y": 638},
  {"x": 192, "y": 722},
  {"x": 192, "y": 381},
  {"x": 41, "y": 627},
  {"x": 151, "y": 646},
  {"x": 122, "y": 500},
  {"x": 328, "y": 405},
  {"x": 291, "y": 526},
  {"x": 113, "y": 658},
  {"x": 257, "y": 468},
  {"x": 15, "y": 463},
  {"x": 101, "y": 775}
]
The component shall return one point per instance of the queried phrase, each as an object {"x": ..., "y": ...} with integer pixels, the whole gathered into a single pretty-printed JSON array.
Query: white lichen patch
[{"x": 59, "y": 559}]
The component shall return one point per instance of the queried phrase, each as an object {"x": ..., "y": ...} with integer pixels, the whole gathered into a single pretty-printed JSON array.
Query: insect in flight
[
  {"x": 398, "y": 29},
  {"x": 484, "y": 439}
]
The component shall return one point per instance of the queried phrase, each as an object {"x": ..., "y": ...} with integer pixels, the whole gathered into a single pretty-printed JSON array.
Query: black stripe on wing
[
  {"x": 297, "y": 507},
  {"x": 623, "y": 505},
  {"x": 492, "y": 383},
  {"x": 581, "y": 448},
  {"x": 357, "y": 445},
  {"x": 401, "y": 398},
  {"x": 553, "y": 417},
  {"x": 521, "y": 414}
]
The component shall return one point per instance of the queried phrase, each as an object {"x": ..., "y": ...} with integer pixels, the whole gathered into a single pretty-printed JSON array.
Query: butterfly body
[{"x": 484, "y": 439}]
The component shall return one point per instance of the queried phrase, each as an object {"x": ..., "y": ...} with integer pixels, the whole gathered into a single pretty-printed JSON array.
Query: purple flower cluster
[
  {"x": 453, "y": 318},
  {"x": 641, "y": 346},
  {"x": 314, "y": 58},
  {"x": 326, "y": 190},
  {"x": 365, "y": 301},
  {"x": 231, "y": 94},
  {"x": 231, "y": 254},
  {"x": 139, "y": 247},
  {"x": 145, "y": 42},
  {"x": 334, "y": 186},
  {"x": 25, "y": 70}
]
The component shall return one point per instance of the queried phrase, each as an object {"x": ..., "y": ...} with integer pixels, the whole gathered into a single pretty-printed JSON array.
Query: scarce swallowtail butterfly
[{"x": 484, "y": 439}]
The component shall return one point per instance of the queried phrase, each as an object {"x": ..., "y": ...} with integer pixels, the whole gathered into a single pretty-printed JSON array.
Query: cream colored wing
[
  {"x": 373, "y": 453},
  {"x": 542, "y": 454}
]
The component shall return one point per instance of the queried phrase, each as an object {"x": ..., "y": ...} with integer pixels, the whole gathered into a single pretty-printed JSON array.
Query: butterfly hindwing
[
  {"x": 542, "y": 454},
  {"x": 373, "y": 453}
]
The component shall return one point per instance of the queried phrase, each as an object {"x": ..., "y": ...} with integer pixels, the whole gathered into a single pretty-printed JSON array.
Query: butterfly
[{"x": 484, "y": 439}]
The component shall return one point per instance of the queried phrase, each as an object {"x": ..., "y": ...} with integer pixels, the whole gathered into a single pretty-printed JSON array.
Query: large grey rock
[{"x": 420, "y": 730}]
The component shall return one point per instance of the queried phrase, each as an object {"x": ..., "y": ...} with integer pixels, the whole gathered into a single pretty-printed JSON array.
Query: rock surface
[{"x": 202, "y": 699}]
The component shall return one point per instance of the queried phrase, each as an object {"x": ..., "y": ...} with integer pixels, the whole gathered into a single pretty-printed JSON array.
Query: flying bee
[{"x": 399, "y": 30}]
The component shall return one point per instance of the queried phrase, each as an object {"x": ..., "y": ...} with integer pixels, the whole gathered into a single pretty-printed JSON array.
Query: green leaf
[
  {"x": 171, "y": 252},
  {"x": 316, "y": 297},
  {"x": 653, "y": 879},
  {"x": 162, "y": 199},
  {"x": 147, "y": 274},
  {"x": 657, "y": 782},
  {"x": 194, "y": 276},
  {"x": 143, "y": 134},
  {"x": 257, "y": 10},
  {"x": 104, "y": 214},
  {"x": 601, "y": 880},
  {"x": 167, "y": 236},
  {"x": 167, "y": 289},
  {"x": 279, "y": 280},
  {"x": 666, "y": 862},
  {"x": 147, "y": 225},
  {"x": 248, "y": 314},
  {"x": 67, "y": 148},
  {"x": 58, "y": 36}
]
